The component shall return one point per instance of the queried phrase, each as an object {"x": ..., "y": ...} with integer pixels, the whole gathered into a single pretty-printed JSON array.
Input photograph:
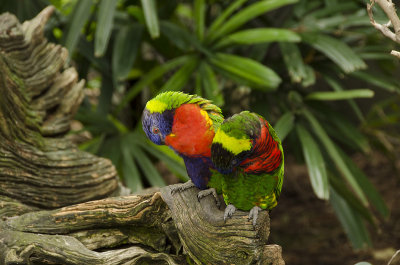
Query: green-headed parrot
[{"x": 249, "y": 155}]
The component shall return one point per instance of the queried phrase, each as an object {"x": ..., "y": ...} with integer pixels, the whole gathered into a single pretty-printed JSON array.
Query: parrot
[
  {"x": 187, "y": 124},
  {"x": 248, "y": 155}
]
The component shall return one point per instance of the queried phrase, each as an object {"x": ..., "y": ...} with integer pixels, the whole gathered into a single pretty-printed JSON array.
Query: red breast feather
[{"x": 192, "y": 131}]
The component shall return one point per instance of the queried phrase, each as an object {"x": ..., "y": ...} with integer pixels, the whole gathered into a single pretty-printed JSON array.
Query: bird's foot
[
  {"x": 254, "y": 214},
  {"x": 229, "y": 210},
  {"x": 207, "y": 192},
  {"x": 187, "y": 185}
]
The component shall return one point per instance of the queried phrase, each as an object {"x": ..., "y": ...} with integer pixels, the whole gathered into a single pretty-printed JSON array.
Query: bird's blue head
[{"x": 157, "y": 125}]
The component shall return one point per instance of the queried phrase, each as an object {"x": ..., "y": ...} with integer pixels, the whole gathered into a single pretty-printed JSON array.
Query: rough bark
[
  {"x": 156, "y": 227},
  {"x": 39, "y": 96},
  {"x": 41, "y": 171},
  {"x": 206, "y": 236}
]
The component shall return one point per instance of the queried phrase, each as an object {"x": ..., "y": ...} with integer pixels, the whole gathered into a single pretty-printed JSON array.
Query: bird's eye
[
  {"x": 156, "y": 130},
  {"x": 234, "y": 162}
]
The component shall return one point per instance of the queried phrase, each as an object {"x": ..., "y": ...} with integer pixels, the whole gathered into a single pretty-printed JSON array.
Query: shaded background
[{"x": 316, "y": 70}]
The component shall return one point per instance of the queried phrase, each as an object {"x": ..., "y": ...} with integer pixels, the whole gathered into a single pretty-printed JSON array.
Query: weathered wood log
[
  {"x": 39, "y": 94},
  {"x": 41, "y": 171},
  {"x": 206, "y": 236},
  {"x": 70, "y": 234},
  {"x": 163, "y": 222}
]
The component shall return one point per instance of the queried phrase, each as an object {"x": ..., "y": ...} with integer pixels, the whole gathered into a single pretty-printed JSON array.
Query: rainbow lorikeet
[
  {"x": 249, "y": 155},
  {"x": 187, "y": 124}
]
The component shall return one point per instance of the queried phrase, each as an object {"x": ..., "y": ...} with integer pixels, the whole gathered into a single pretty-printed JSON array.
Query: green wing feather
[
  {"x": 281, "y": 168},
  {"x": 245, "y": 190}
]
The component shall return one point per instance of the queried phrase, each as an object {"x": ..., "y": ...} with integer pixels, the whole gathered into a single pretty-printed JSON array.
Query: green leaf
[
  {"x": 198, "y": 84},
  {"x": 136, "y": 12},
  {"x": 247, "y": 14},
  {"x": 150, "y": 77},
  {"x": 118, "y": 124},
  {"x": 336, "y": 50},
  {"x": 284, "y": 125},
  {"x": 93, "y": 145},
  {"x": 346, "y": 129},
  {"x": 369, "y": 189},
  {"x": 309, "y": 78},
  {"x": 125, "y": 50},
  {"x": 106, "y": 92},
  {"x": 387, "y": 83},
  {"x": 80, "y": 16},
  {"x": 340, "y": 95},
  {"x": 150, "y": 15},
  {"x": 343, "y": 129},
  {"x": 162, "y": 152},
  {"x": 181, "y": 77},
  {"x": 104, "y": 26},
  {"x": 341, "y": 187},
  {"x": 294, "y": 63},
  {"x": 246, "y": 69},
  {"x": 337, "y": 87},
  {"x": 224, "y": 15},
  {"x": 315, "y": 163},
  {"x": 95, "y": 122},
  {"x": 210, "y": 84},
  {"x": 351, "y": 222},
  {"x": 86, "y": 49},
  {"x": 176, "y": 34},
  {"x": 111, "y": 149},
  {"x": 332, "y": 9},
  {"x": 333, "y": 152},
  {"x": 199, "y": 17},
  {"x": 258, "y": 51},
  {"x": 181, "y": 38},
  {"x": 376, "y": 56},
  {"x": 148, "y": 169},
  {"x": 129, "y": 169},
  {"x": 259, "y": 35}
]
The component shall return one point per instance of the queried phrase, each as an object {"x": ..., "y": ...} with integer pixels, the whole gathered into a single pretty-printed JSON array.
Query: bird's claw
[
  {"x": 254, "y": 214},
  {"x": 207, "y": 192},
  {"x": 229, "y": 210},
  {"x": 187, "y": 185}
]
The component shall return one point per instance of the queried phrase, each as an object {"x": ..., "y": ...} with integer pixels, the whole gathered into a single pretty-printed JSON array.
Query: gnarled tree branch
[
  {"x": 166, "y": 224},
  {"x": 390, "y": 10}
]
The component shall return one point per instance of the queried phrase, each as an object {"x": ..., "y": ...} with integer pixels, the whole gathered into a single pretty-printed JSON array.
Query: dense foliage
[{"x": 302, "y": 64}]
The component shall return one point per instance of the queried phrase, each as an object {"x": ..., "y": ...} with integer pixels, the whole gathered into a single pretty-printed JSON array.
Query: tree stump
[{"x": 55, "y": 203}]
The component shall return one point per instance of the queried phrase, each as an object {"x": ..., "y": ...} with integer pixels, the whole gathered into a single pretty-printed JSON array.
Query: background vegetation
[{"x": 306, "y": 65}]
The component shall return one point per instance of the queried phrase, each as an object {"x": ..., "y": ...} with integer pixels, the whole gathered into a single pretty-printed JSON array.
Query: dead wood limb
[
  {"x": 70, "y": 235},
  {"x": 390, "y": 10},
  {"x": 27, "y": 248},
  {"x": 164, "y": 224},
  {"x": 206, "y": 237}
]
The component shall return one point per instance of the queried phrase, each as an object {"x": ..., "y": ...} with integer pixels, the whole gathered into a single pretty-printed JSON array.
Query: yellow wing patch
[
  {"x": 208, "y": 120},
  {"x": 236, "y": 146},
  {"x": 155, "y": 105}
]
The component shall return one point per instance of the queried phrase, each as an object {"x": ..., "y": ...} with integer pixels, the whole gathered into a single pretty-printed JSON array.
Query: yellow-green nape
[
  {"x": 232, "y": 144},
  {"x": 173, "y": 99},
  {"x": 155, "y": 105}
]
